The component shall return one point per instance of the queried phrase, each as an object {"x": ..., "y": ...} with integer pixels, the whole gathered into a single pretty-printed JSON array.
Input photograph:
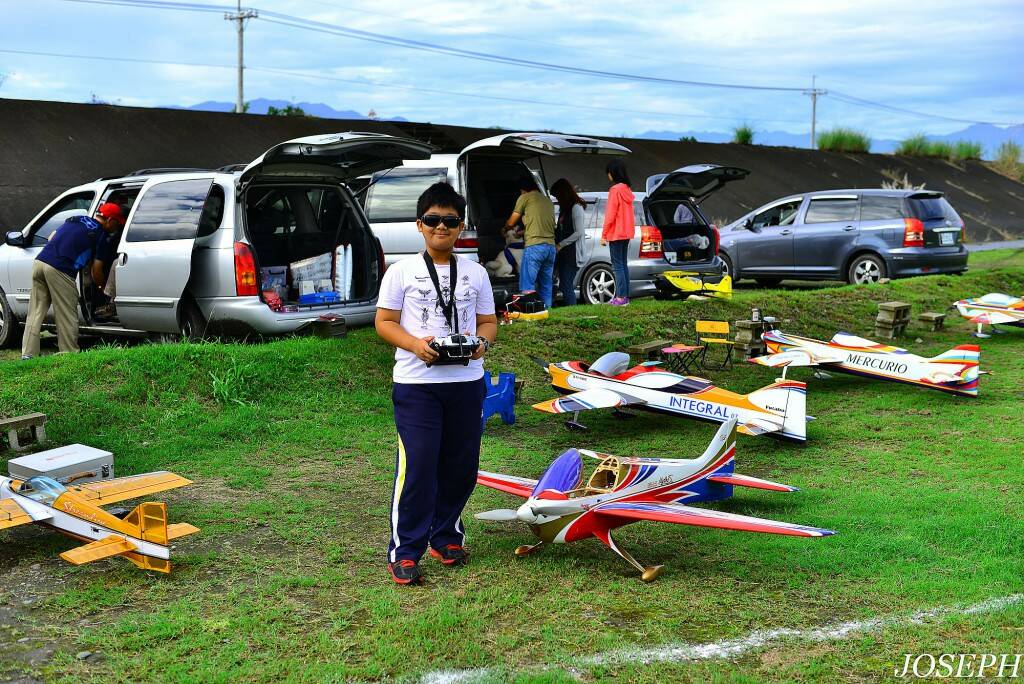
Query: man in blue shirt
[{"x": 54, "y": 272}]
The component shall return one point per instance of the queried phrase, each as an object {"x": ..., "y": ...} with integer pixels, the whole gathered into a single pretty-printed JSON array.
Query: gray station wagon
[
  {"x": 859, "y": 236},
  {"x": 270, "y": 247}
]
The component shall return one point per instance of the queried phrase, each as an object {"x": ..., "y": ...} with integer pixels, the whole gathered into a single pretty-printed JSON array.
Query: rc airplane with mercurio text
[
  {"x": 778, "y": 409},
  {"x": 953, "y": 371},
  {"x": 561, "y": 507},
  {"x": 143, "y": 536}
]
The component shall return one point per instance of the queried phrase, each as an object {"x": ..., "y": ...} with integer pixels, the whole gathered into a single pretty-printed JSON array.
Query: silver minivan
[
  {"x": 270, "y": 247},
  {"x": 485, "y": 172}
]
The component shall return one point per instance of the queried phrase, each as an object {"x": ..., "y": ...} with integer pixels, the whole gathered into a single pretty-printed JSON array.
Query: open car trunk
[
  {"x": 311, "y": 245},
  {"x": 492, "y": 191},
  {"x": 685, "y": 235}
]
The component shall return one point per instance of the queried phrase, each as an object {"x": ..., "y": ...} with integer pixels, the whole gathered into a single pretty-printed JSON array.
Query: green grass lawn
[{"x": 291, "y": 445}]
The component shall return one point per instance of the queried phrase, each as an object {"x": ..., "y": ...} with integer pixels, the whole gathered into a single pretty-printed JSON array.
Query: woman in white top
[{"x": 568, "y": 237}]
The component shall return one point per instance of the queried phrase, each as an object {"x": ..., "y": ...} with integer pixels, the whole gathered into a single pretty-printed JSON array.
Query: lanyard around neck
[{"x": 447, "y": 308}]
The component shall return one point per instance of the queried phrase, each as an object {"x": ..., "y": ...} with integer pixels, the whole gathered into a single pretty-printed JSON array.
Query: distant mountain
[
  {"x": 990, "y": 137},
  {"x": 262, "y": 104}
]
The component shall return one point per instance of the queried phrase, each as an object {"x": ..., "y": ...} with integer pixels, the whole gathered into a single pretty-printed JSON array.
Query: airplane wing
[
  {"x": 702, "y": 517},
  {"x": 520, "y": 486},
  {"x": 992, "y": 317},
  {"x": 123, "y": 488},
  {"x": 797, "y": 357},
  {"x": 587, "y": 399},
  {"x": 12, "y": 515},
  {"x": 98, "y": 550}
]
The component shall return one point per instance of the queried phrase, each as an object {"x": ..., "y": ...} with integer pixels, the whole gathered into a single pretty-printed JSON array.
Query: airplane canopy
[
  {"x": 562, "y": 475},
  {"x": 43, "y": 489}
]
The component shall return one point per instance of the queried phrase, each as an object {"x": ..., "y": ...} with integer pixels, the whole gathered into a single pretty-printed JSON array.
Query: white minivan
[
  {"x": 272, "y": 247},
  {"x": 485, "y": 172}
]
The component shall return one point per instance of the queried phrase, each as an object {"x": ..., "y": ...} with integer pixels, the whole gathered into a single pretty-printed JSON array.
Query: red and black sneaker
[
  {"x": 405, "y": 572},
  {"x": 452, "y": 554}
]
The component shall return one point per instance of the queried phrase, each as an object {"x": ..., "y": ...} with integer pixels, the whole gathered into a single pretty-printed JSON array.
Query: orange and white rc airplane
[{"x": 143, "y": 536}]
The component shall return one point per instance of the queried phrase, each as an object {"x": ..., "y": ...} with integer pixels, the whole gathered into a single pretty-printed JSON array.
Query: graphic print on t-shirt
[{"x": 430, "y": 315}]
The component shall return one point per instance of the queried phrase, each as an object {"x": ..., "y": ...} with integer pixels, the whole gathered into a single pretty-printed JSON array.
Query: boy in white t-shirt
[{"x": 437, "y": 407}]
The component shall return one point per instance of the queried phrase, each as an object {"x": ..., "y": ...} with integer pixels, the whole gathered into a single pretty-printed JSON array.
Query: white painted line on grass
[{"x": 732, "y": 648}]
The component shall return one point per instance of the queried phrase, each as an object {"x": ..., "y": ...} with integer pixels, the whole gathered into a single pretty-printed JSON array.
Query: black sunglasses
[{"x": 433, "y": 221}]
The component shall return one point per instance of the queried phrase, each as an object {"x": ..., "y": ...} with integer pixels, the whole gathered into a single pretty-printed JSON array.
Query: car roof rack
[{"x": 231, "y": 168}]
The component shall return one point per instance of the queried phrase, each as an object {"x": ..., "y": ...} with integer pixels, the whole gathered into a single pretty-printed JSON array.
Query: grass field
[{"x": 291, "y": 445}]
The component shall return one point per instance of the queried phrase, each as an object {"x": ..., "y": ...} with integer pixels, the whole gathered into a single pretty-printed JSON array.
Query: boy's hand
[
  {"x": 603, "y": 242},
  {"x": 421, "y": 348}
]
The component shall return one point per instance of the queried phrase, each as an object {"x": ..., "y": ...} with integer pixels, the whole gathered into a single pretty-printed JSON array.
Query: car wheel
[
  {"x": 727, "y": 269},
  {"x": 866, "y": 269},
  {"x": 10, "y": 328},
  {"x": 192, "y": 324},
  {"x": 768, "y": 282},
  {"x": 598, "y": 285}
]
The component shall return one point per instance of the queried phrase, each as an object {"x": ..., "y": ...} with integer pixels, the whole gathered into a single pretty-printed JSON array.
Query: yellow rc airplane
[{"x": 143, "y": 536}]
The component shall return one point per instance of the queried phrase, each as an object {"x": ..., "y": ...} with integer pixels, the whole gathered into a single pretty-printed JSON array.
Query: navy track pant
[{"x": 435, "y": 470}]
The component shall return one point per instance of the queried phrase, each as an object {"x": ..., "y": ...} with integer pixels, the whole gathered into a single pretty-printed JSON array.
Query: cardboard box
[{"x": 74, "y": 463}]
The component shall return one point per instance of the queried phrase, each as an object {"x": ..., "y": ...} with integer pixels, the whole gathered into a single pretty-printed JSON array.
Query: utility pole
[
  {"x": 814, "y": 93},
  {"x": 240, "y": 18}
]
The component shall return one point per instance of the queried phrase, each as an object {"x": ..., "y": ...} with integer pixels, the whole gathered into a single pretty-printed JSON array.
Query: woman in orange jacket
[{"x": 619, "y": 228}]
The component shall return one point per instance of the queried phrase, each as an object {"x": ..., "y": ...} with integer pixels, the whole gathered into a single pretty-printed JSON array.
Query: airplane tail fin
[
  {"x": 722, "y": 444},
  {"x": 962, "y": 364},
  {"x": 149, "y": 522},
  {"x": 787, "y": 397}
]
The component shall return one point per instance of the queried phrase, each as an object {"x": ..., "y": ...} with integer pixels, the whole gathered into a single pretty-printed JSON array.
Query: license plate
[
  {"x": 945, "y": 239},
  {"x": 670, "y": 257}
]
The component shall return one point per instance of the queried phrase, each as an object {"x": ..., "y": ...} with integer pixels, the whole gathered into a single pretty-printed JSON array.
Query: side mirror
[{"x": 15, "y": 239}]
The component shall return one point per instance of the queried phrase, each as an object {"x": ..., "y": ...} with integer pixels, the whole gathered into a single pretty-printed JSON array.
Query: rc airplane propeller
[
  {"x": 993, "y": 309},
  {"x": 778, "y": 409},
  {"x": 560, "y": 508},
  {"x": 953, "y": 371},
  {"x": 142, "y": 536}
]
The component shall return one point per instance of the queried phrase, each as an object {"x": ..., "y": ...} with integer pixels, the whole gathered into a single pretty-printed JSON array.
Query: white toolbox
[{"x": 74, "y": 463}]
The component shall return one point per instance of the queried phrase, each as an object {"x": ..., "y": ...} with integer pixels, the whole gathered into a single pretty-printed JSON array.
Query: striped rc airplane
[
  {"x": 778, "y": 409},
  {"x": 953, "y": 371},
  {"x": 993, "y": 309},
  {"x": 143, "y": 536},
  {"x": 561, "y": 507}
]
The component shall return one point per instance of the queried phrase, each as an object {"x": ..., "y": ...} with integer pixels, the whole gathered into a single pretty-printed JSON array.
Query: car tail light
[
  {"x": 650, "y": 243},
  {"x": 718, "y": 237},
  {"x": 467, "y": 243},
  {"x": 913, "y": 233},
  {"x": 245, "y": 271}
]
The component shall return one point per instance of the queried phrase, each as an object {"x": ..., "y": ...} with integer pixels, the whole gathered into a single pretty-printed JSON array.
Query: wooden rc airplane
[
  {"x": 142, "y": 536},
  {"x": 560, "y": 508}
]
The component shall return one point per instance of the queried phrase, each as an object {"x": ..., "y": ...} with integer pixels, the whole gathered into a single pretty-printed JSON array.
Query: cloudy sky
[{"x": 948, "y": 59}]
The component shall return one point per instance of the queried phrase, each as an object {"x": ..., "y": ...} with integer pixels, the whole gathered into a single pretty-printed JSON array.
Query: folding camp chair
[
  {"x": 682, "y": 358},
  {"x": 720, "y": 332}
]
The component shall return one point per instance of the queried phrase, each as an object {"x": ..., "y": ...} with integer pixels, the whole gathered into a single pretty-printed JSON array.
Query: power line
[
  {"x": 860, "y": 102},
  {"x": 374, "y": 84},
  {"x": 369, "y": 36}
]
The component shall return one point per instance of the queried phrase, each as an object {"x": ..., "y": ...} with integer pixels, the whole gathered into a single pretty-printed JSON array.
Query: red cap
[{"x": 112, "y": 211}]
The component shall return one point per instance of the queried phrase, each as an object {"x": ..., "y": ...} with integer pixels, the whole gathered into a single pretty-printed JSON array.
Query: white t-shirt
[{"x": 407, "y": 287}]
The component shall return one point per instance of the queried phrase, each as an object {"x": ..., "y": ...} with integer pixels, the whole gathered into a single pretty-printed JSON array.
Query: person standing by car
[
  {"x": 619, "y": 228},
  {"x": 437, "y": 406},
  {"x": 537, "y": 213},
  {"x": 568, "y": 238},
  {"x": 54, "y": 274}
]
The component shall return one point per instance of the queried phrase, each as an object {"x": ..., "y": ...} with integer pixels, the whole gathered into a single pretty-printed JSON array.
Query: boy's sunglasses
[{"x": 433, "y": 221}]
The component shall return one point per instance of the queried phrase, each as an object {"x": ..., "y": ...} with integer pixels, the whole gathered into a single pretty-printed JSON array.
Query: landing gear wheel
[
  {"x": 10, "y": 329},
  {"x": 527, "y": 549},
  {"x": 598, "y": 285},
  {"x": 650, "y": 574},
  {"x": 865, "y": 269}
]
